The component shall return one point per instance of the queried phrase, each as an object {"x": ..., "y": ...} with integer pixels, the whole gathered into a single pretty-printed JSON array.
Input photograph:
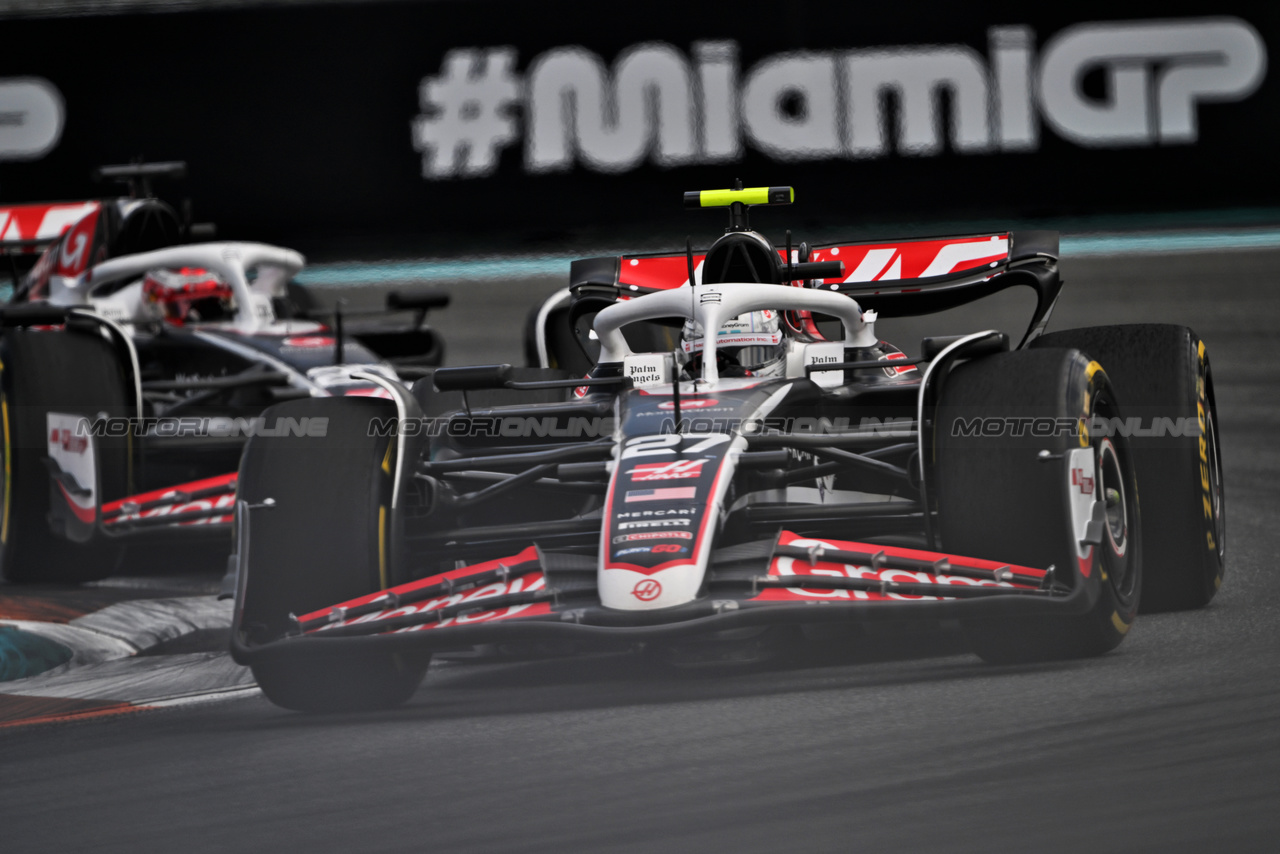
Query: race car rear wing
[
  {"x": 895, "y": 278},
  {"x": 24, "y": 228}
]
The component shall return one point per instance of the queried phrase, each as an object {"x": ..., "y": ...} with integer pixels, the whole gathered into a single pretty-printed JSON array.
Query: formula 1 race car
[
  {"x": 132, "y": 371},
  {"x": 725, "y": 471}
]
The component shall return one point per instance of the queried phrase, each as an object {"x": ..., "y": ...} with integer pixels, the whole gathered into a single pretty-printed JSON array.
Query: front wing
[{"x": 542, "y": 595}]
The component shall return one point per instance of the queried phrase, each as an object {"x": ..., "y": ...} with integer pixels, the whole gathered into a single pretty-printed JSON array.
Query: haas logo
[
  {"x": 647, "y": 590},
  {"x": 72, "y": 258},
  {"x": 1079, "y": 479},
  {"x": 73, "y": 255},
  {"x": 68, "y": 441},
  {"x": 678, "y": 470}
]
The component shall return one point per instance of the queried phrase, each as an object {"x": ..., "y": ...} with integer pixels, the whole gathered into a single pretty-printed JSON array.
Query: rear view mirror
[
  {"x": 472, "y": 377},
  {"x": 417, "y": 300}
]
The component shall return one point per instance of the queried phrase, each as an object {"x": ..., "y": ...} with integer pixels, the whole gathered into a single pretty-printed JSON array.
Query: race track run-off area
[{"x": 898, "y": 741}]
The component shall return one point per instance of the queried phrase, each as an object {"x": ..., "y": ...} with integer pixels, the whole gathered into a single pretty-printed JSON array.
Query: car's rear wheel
[
  {"x": 1162, "y": 376},
  {"x": 1031, "y": 486},
  {"x": 60, "y": 371},
  {"x": 323, "y": 540}
]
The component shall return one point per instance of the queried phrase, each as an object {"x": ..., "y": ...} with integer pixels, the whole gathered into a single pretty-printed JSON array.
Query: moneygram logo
[{"x": 657, "y": 104}]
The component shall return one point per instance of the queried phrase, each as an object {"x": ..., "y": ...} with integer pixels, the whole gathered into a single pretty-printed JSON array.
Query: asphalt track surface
[{"x": 893, "y": 743}]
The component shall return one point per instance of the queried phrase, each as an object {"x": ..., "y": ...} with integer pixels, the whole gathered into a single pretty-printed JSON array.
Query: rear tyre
[
  {"x": 1000, "y": 496},
  {"x": 71, "y": 372},
  {"x": 1162, "y": 372},
  {"x": 324, "y": 541}
]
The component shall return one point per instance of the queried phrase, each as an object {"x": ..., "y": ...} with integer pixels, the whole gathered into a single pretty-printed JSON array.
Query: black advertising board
[{"x": 503, "y": 119}]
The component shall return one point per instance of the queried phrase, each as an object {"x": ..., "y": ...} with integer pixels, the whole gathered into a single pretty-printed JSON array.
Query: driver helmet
[
  {"x": 749, "y": 345},
  {"x": 188, "y": 295}
]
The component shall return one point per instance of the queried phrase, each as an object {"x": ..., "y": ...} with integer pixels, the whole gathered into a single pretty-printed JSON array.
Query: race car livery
[
  {"x": 148, "y": 360},
  {"x": 730, "y": 485}
]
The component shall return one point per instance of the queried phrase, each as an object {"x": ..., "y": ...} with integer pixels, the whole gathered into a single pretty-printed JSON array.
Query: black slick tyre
[
  {"x": 63, "y": 371},
  {"x": 323, "y": 541},
  {"x": 1038, "y": 490},
  {"x": 1161, "y": 374}
]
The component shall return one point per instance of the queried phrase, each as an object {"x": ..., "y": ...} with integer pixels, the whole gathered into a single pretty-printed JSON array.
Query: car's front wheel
[
  {"x": 1021, "y": 479},
  {"x": 323, "y": 539}
]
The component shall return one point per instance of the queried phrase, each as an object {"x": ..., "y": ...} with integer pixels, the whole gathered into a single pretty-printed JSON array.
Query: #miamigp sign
[{"x": 497, "y": 118}]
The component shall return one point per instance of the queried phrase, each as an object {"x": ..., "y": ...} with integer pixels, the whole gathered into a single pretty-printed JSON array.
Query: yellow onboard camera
[{"x": 748, "y": 196}]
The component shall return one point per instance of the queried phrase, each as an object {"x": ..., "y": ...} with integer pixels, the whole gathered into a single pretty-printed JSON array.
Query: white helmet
[{"x": 753, "y": 341}]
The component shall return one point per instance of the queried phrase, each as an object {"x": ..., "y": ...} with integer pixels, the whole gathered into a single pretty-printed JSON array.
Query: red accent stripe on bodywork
[
  {"x": 897, "y": 260},
  {"x": 227, "y": 480},
  {"x": 84, "y": 514},
  {"x": 799, "y": 566},
  {"x": 528, "y": 556}
]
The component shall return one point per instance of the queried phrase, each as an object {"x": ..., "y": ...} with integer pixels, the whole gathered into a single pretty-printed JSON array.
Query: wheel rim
[
  {"x": 1114, "y": 490},
  {"x": 1112, "y": 493}
]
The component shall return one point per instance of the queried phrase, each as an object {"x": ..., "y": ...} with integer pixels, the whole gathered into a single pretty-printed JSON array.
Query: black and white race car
[
  {"x": 133, "y": 368},
  {"x": 725, "y": 469}
]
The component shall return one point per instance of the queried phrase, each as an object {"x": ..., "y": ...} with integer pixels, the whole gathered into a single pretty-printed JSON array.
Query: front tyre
[
  {"x": 1163, "y": 377},
  {"x": 324, "y": 541},
  {"x": 1032, "y": 486},
  {"x": 322, "y": 682}
]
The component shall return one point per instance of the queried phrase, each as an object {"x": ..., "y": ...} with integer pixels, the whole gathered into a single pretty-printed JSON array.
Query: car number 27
[{"x": 667, "y": 443}]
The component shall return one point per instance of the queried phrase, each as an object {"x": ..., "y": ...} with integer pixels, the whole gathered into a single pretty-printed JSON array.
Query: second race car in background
[{"x": 135, "y": 366}]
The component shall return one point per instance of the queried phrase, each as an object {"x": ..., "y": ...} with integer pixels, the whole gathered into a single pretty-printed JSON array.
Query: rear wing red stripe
[
  {"x": 900, "y": 261},
  {"x": 23, "y": 226}
]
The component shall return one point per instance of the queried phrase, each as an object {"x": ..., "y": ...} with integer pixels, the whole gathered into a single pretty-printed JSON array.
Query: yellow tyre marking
[
  {"x": 1121, "y": 626},
  {"x": 382, "y": 546},
  {"x": 1086, "y": 402},
  {"x": 1206, "y": 490},
  {"x": 382, "y": 522}
]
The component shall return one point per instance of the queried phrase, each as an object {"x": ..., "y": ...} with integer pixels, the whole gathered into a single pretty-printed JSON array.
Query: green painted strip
[
  {"x": 477, "y": 269},
  {"x": 23, "y": 654},
  {"x": 1122, "y": 244}
]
